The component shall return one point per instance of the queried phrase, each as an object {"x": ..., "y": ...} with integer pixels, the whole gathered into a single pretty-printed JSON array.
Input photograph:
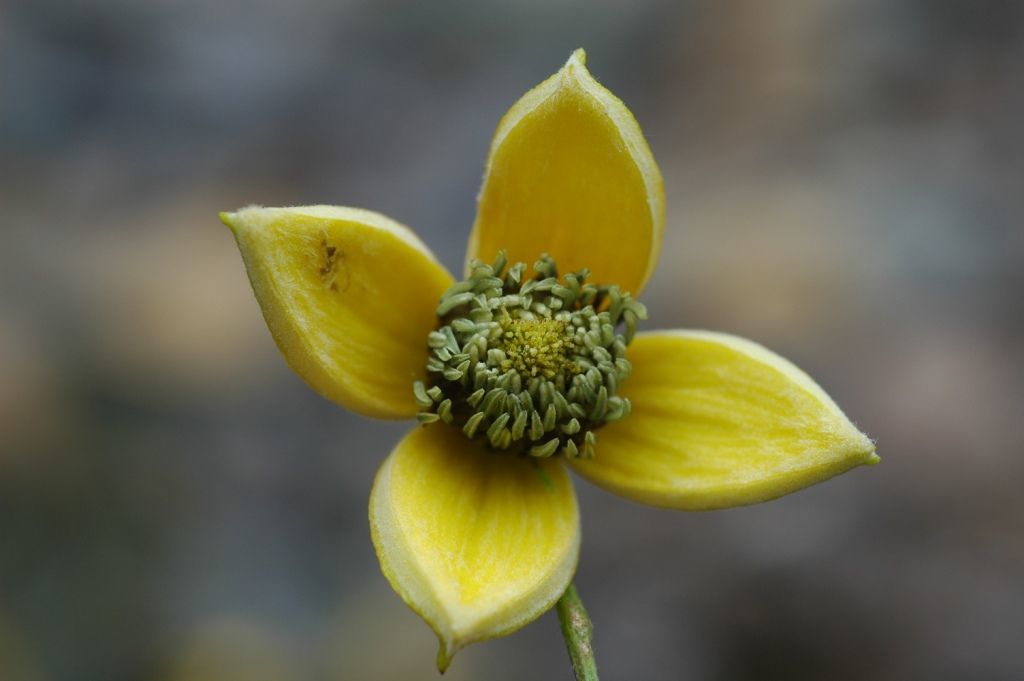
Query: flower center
[
  {"x": 536, "y": 347},
  {"x": 529, "y": 364}
]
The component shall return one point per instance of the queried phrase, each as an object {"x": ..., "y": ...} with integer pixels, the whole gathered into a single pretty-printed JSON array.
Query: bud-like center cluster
[
  {"x": 529, "y": 364},
  {"x": 537, "y": 347}
]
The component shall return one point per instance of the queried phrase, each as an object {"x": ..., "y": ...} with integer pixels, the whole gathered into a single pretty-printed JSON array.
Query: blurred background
[{"x": 844, "y": 184}]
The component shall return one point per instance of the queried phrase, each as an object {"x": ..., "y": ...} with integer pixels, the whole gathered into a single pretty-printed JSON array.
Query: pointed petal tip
[
  {"x": 443, "y": 661},
  {"x": 871, "y": 458},
  {"x": 866, "y": 447},
  {"x": 577, "y": 58},
  {"x": 445, "y": 654},
  {"x": 575, "y": 73},
  {"x": 244, "y": 217}
]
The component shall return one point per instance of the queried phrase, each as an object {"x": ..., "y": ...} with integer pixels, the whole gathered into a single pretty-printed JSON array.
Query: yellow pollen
[{"x": 537, "y": 347}]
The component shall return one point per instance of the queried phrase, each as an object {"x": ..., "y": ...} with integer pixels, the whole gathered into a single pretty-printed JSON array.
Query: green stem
[{"x": 577, "y": 630}]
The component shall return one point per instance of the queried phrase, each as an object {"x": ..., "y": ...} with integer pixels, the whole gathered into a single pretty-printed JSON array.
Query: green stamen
[{"x": 530, "y": 365}]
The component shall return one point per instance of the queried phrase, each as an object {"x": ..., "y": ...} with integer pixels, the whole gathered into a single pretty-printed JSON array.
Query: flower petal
[
  {"x": 478, "y": 543},
  {"x": 570, "y": 174},
  {"x": 719, "y": 421},
  {"x": 349, "y": 296}
]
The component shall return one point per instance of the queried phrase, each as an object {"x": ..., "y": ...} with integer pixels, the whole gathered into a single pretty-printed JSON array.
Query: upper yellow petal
[
  {"x": 570, "y": 174},
  {"x": 477, "y": 542},
  {"x": 349, "y": 296},
  {"x": 720, "y": 421}
]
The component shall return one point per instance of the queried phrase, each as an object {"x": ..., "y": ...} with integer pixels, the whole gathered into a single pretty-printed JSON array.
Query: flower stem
[{"x": 577, "y": 630}]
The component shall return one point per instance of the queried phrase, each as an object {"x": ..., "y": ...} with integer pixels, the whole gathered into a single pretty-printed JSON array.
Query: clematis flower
[{"x": 517, "y": 375}]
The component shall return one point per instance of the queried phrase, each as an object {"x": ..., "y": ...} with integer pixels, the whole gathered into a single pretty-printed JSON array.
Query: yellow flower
[{"x": 477, "y": 536}]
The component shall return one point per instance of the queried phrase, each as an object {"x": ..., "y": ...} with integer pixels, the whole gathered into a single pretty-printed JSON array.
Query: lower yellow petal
[
  {"x": 719, "y": 421},
  {"x": 477, "y": 542},
  {"x": 349, "y": 296}
]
